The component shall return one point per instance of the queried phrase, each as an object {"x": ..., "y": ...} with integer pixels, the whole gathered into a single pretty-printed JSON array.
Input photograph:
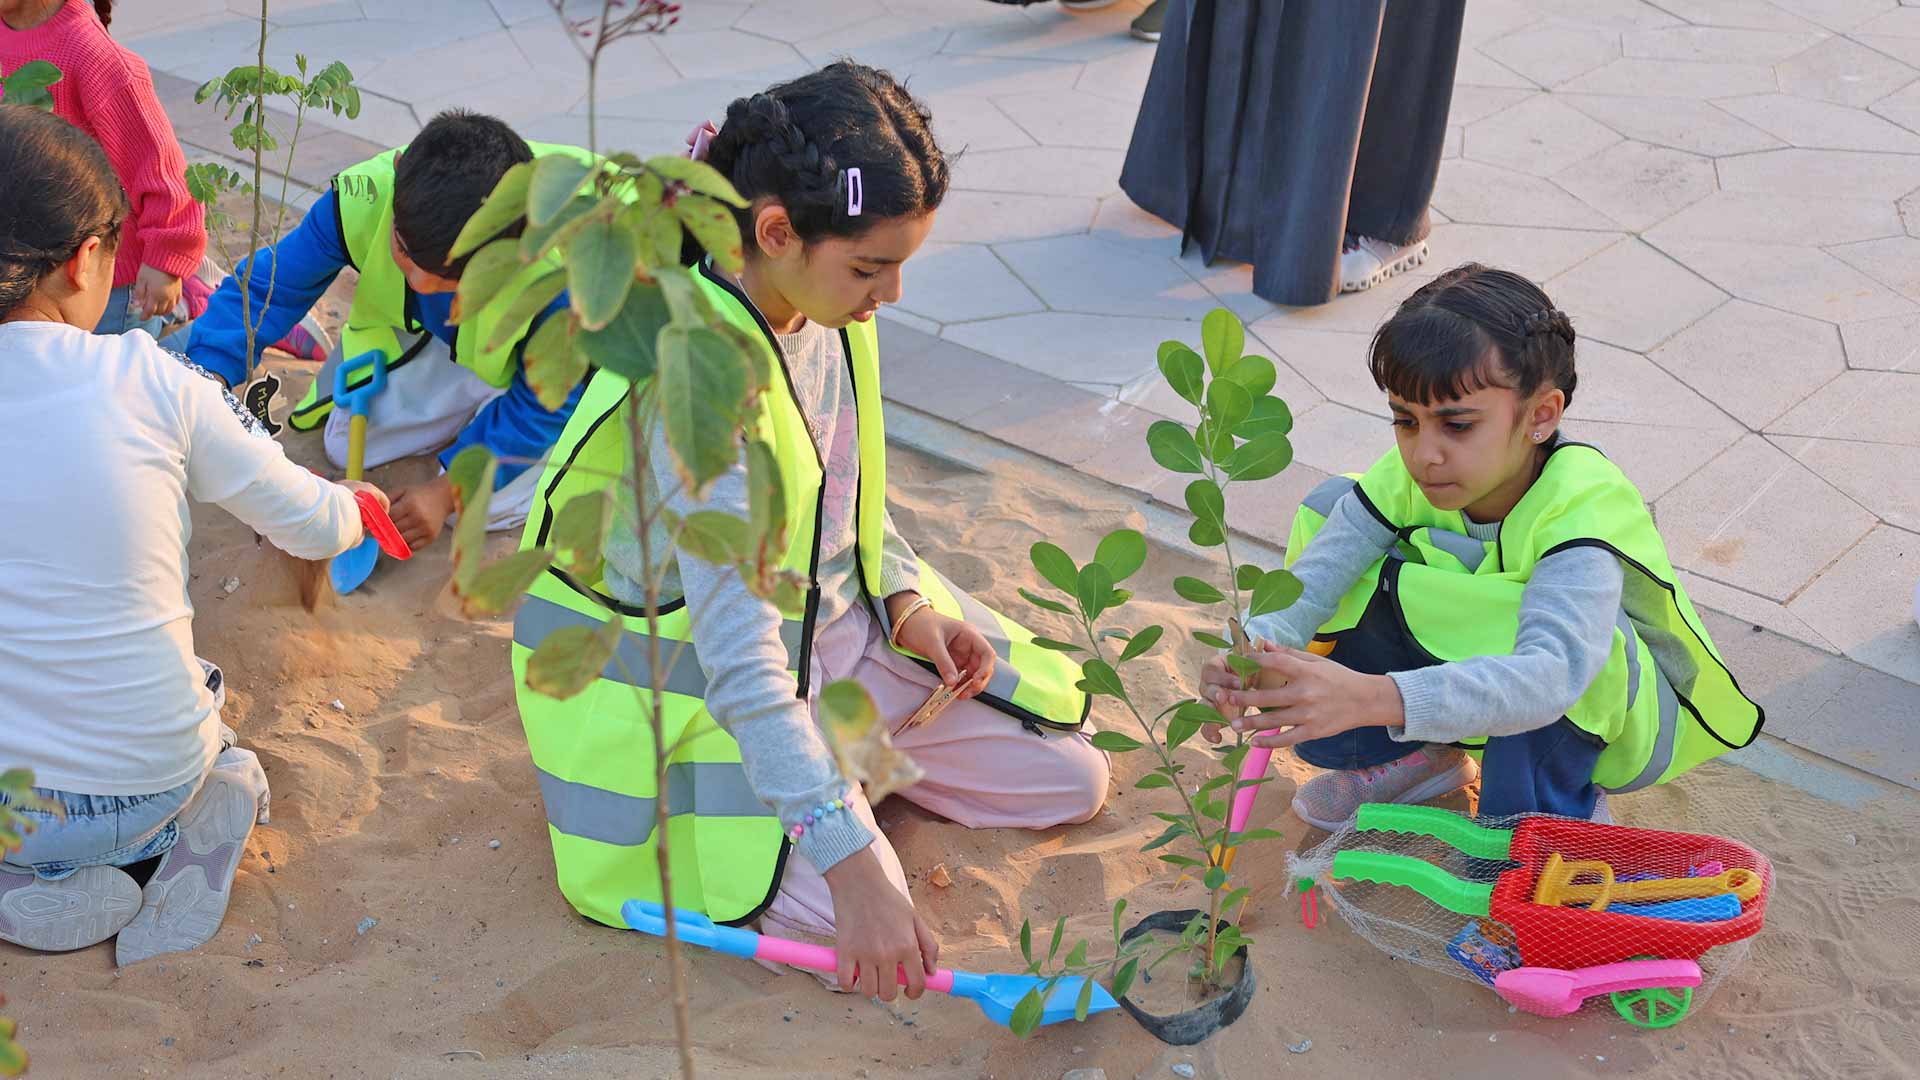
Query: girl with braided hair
[{"x": 1490, "y": 589}]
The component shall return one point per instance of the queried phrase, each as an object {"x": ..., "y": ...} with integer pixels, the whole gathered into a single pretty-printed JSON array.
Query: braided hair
[
  {"x": 1472, "y": 327},
  {"x": 794, "y": 143},
  {"x": 56, "y": 190}
]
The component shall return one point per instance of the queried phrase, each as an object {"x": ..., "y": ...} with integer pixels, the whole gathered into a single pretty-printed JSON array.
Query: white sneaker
[
  {"x": 186, "y": 898},
  {"x": 1368, "y": 262},
  {"x": 84, "y": 908},
  {"x": 1087, "y": 5},
  {"x": 1331, "y": 799}
]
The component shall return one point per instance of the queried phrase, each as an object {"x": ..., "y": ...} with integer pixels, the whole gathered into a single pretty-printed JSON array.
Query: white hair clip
[{"x": 856, "y": 194}]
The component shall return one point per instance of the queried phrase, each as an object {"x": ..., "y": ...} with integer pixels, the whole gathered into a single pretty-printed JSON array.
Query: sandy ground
[{"x": 385, "y": 807}]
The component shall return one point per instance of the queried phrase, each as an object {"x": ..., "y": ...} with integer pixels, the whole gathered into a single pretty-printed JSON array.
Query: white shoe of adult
[
  {"x": 1087, "y": 5},
  {"x": 1366, "y": 262}
]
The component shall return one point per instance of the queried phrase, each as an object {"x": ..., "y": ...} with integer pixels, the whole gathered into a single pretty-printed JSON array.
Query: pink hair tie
[{"x": 700, "y": 138}]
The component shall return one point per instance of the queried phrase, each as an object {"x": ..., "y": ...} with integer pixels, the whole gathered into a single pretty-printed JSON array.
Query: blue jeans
[
  {"x": 110, "y": 830},
  {"x": 121, "y": 316}
]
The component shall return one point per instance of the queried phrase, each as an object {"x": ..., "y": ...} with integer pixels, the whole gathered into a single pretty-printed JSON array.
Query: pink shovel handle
[
  {"x": 820, "y": 958},
  {"x": 1253, "y": 768},
  {"x": 1634, "y": 975}
]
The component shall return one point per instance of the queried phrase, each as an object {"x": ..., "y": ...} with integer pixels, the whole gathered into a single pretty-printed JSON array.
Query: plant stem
[
  {"x": 280, "y": 216},
  {"x": 253, "y": 229}
]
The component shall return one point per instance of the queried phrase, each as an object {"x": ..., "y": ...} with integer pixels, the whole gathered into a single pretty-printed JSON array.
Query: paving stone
[
  {"x": 381, "y": 120},
  {"x": 201, "y": 52},
  {"x": 1718, "y": 44},
  {"x": 529, "y": 95},
  {"x": 1124, "y": 460},
  {"x": 1864, "y": 603},
  {"x": 886, "y": 44},
  {"x": 1736, "y": 13},
  {"x": 1758, "y": 520},
  {"x": 1332, "y": 363},
  {"x": 1904, "y": 49},
  {"x": 1471, "y": 103},
  {"x": 1632, "y": 296},
  {"x": 1844, "y": 72},
  {"x": 1901, "y": 21},
  {"x": 1119, "y": 221},
  {"x": 1364, "y": 311},
  {"x": 1119, "y": 77},
  {"x": 1902, "y": 108},
  {"x": 1335, "y": 439},
  {"x": 821, "y": 17},
  {"x": 997, "y": 217},
  {"x": 952, "y": 283},
  {"x": 1471, "y": 191},
  {"x": 1753, "y": 611},
  {"x": 1540, "y": 137},
  {"x": 1822, "y": 125},
  {"x": 1625, "y": 387},
  {"x": 965, "y": 124},
  {"x": 910, "y": 321},
  {"x": 1085, "y": 274},
  {"x": 1229, "y": 284},
  {"x": 1678, "y": 123},
  {"x": 1070, "y": 426},
  {"x": 1654, "y": 458},
  {"x": 1606, "y": 14},
  {"x": 1883, "y": 344},
  {"x": 1550, "y": 55},
  {"x": 1741, "y": 216},
  {"x": 1821, "y": 173},
  {"x": 1663, "y": 78},
  {"x": 1753, "y": 362},
  {"x": 1536, "y": 253},
  {"x": 1455, "y": 144},
  {"x": 628, "y": 66},
  {"x": 1491, "y": 19},
  {"x": 1805, "y": 280},
  {"x": 644, "y": 137},
  {"x": 1637, "y": 184},
  {"x": 1075, "y": 347},
  {"x": 1061, "y": 37},
  {"x": 1893, "y": 262},
  {"x": 960, "y": 384},
  {"x": 1476, "y": 69},
  {"x": 1840, "y": 16},
  {"x": 1265, "y": 508},
  {"x": 1072, "y": 118},
  {"x": 1877, "y": 475},
  {"x": 1870, "y": 406},
  {"x": 1058, "y": 171},
  {"x": 988, "y": 76},
  {"x": 706, "y": 54}
]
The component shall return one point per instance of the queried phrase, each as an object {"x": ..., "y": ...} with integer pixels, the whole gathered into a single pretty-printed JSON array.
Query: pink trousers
[{"x": 983, "y": 769}]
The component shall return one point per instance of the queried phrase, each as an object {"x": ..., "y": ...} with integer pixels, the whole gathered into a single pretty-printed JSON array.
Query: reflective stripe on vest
[
  {"x": 539, "y": 617},
  {"x": 709, "y": 789}
]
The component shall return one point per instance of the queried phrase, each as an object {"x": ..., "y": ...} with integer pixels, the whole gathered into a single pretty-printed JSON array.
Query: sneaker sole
[
  {"x": 1446, "y": 783},
  {"x": 1087, "y": 5},
  {"x": 1146, "y": 35},
  {"x": 183, "y": 904},
  {"x": 1401, "y": 265},
  {"x": 87, "y": 908}
]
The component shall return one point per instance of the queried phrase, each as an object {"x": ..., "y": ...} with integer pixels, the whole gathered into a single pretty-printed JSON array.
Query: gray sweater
[
  {"x": 1567, "y": 615},
  {"x": 737, "y": 635}
]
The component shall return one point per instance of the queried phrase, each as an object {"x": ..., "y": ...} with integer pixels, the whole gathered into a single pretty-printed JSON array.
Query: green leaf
[
  {"x": 1119, "y": 908},
  {"x": 656, "y": 230},
  {"x": 1059, "y": 933},
  {"x": 601, "y": 258},
  {"x": 714, "y": 536},
  {"x": 1182, "y": 860},
  {"x": 704, "y": 385},
  {"x": 1094, "y": 589},
  {"x": 626, "y": 346},
  {"x": 1270, "y": 416},
  {"x": 848, "y": 709},
  {"x": 1215, "y": 442},
  {"x": 1243, "y": 666},
  {"x": 1259, "y": 834},
  {"x": 1153, "y": 780},
  {"x": 1026, "y": 1015},
  {"x": 1102, "y": 679},
  {"x": 1214, "y": 640},
  {"x": 1123, "y": 979},
  {"x": 1228, "y": 403},
  {"x": 27, "y": 86},
  {"x": 1057, "y": 646},
  {"x": 1255, "y": 373},
  {"x": 1216, "y": 877},
  {"x": 504, "y": 206},
  {"x": 1206, "y": 534},
  {"x": 1123, "y": 552},
  {"x": 1056, "y": 566},
  {"x": 556, "y": 179},
  {"x": 1173, "y": 448},
  {"x": 1234, "y": 897},
  {"x": 1245, "y": 576},
  {"x": 489, "y": 271},
  {"x": 715, "y": 227},
  {"x": 498, "y": 585},
  {"x": 553, "y": 366},
  {"x": 471, "y": 475},
  {"x": 1174, "y": 832},
  {"x": 569, "y": 659},
  {"x": 1260, "y": 458},
  {"x": 697, "y": 176},
  {"x": 1223, "y": 338},
  {"x": 1026, "y": 940},
  {"x": 1085, "y": 1001},
  {"x": 521, "y": 311},
  {"x": 1115, "y": 743},
  {"x": 767, "y": 504},
  {"x": 1077, "y": 956},
  {"x": 1197, "y": 591},
  {"x": 1206, "y": 503},
  {"x": 1183, "y": 370},
  {"x": 1140, "y": 643},
  {"x": 1187, "y": 720},
  {"x": 538, "y": 238},
  {"x": 1277, "y": 590},
  {"x": 580, "y": 531},
  {"x": 1044, "y": 603}
]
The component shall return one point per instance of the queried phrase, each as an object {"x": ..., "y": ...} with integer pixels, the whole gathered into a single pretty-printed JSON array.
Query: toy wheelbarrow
[{"x": 351, "y": 568}]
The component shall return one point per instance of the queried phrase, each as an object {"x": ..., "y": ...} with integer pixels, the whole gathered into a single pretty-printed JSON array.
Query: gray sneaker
[
  {"x": 1331, "y": 799},
  {"x": 186, "y": 898},
  {"x": 84, "y": 908},
  {"x": 1146, "y": 25}
]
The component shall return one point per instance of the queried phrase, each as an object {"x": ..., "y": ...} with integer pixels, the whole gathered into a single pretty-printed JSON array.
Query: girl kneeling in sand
[
  {"x": 844, "y": 178},
  {"x": 103, "y": 697},
  {"x": 1491, "y": 589}
]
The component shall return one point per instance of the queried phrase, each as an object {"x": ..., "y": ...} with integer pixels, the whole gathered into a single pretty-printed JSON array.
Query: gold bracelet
[{"x": 900, "y": 623}]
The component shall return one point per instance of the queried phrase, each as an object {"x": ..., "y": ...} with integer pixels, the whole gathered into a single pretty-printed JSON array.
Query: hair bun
[{"x": 1550, "y": 321}]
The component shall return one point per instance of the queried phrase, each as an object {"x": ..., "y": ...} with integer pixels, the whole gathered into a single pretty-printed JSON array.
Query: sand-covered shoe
[
  {"x": 186, "y": 898},
  {"x": 1330, "y": 800},
  {"x": 84, "y": 908}
]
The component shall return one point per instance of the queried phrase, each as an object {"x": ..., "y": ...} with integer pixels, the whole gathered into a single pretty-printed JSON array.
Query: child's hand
[
  {"x": 959, "y": 651},
  {"x": 1322, "y": 697},
  {"x": 878, "y": 934},
  {"x": 421, "y": 512},
  {"x": 362, "y": 485},
  {"x": 155, "y": 292},
  {"x": 1216, "y": 680}
]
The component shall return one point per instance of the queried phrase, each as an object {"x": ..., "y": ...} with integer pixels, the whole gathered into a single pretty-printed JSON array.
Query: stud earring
[{"x": 1539, "y": 435}]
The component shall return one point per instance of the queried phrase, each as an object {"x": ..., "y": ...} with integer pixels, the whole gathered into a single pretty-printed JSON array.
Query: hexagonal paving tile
[
  {"x": 1883, "y": 344},
  {"x": 1638, "y": 185},
  {"x": 1893, "y": 262},
  {"x": 1892, "y": 21},
  {"x": 997, "y": 217},
  {"x": 1820, "y": 173},
  {"x": 780, "y": 20},
  {"x": 1335, "y": 439},
  {"x": 1753, "y": 362},
  {"x": 1654, "y": 458},
  {"x": 1151, "y": 392},
  {"x": 1536, "y": 253},
  {"x": 1870, "y": 406},
  {"x": 1075, "y": 347},
  {"x": 1709, "y": 595},
  {"x": 952, "y": 283},
  {"x": 1475, "y": 69},
  {"x": 1550, "y": 55},
  {"x": 706, "y": 54},
  {"x": 1740, "y": 216},
  {"x": 1904, "y": 49},
  {"x": 1048, "y": 36},
  {"x": 1540, "y": 137},
  {"x": 1119, "y": 77},
  {"x": 1606, "y": 14},
  {"x": 1844, "y": 72},
  {"x": 1863, "y": 603},
  {"x": 1878, "y": 476},
  {"x": 987, "y": 76},
  {"x": 1758, "y": 520},
  {"x": 1363, "y": 311},
  {"x": 1838, "y": 15},
  {"x": 1471, "y": 103},
  {"x": 1061, "y": 171},
  {"x": 1332, "y": 362},
  {"x": 1677, "y": 123},
  {"x": 963, "y": 123},
  {"x": 1626, "y": 388},
  {"x": 1902, "y": 108},
  {"x": 1822, "y": 125},
  {"x": 1084, "y": 274},
  {"x": 1805, "y": 280},
  {"x": 1632, "y": 296},
  {"x": 1717, "y": 43},
  {"x": 1470, "y": 191},
  {"x": 1073, "y": 118},
  {"x": 1663, "y": 78},
  {"x": 1119, "y": 221},
  {"x": 1736, "y": 13},
  {"x": 1229, "y": 284}
]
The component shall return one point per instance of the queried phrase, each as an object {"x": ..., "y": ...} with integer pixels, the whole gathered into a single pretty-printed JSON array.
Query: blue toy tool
[
  {"x": 351, "y": 568},
  {"x": 995, "y": 994}
]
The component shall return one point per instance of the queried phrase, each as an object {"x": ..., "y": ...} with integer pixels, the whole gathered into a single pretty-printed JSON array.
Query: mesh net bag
[{"x": 1549, "y": 912}]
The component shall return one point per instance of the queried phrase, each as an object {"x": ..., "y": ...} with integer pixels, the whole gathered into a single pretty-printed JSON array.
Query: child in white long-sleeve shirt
[{"x": 100, "y": 690}]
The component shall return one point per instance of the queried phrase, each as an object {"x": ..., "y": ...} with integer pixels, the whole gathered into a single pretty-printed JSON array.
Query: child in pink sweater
[{"x": 107, "y": 92}]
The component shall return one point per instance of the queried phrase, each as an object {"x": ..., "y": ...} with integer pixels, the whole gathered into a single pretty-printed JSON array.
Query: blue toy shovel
[
  {"x": 995, "y": 994},
  {"x": 352, "y": 567}
]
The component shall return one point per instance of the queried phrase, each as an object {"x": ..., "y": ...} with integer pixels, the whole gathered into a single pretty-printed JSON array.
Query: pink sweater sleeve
[{"x": 124, "y": 113}]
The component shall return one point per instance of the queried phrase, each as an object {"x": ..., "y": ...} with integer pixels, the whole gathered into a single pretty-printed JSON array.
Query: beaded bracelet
[{"x": 816, "y": 814}]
